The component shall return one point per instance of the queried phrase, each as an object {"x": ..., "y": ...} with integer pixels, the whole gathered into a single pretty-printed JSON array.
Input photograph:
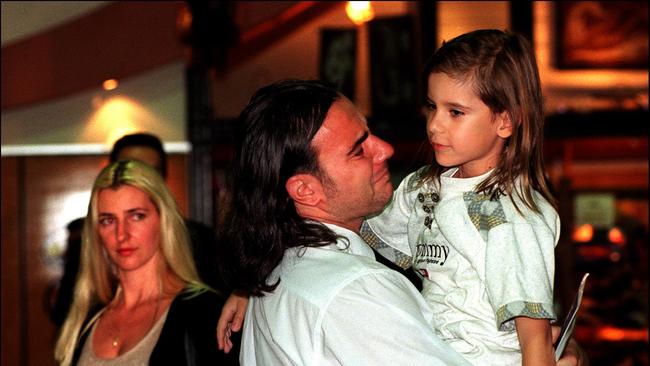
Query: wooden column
[{"x": 521, "y": 18}]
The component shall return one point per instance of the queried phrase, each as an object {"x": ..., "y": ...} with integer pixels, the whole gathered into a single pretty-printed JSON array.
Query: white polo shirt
[{"x": 335, "y": 305}]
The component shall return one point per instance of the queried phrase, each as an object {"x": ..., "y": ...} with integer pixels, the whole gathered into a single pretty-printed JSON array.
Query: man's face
[
  {"x": 357, "y": 181},
  {"x": 143, "y": 154}
]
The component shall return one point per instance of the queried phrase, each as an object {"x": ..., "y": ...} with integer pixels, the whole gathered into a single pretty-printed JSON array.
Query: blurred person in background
[{"x": 64, "y": 290}]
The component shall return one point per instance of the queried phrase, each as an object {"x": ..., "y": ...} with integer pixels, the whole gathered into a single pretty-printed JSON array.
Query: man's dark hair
[
  {"x": 273, "y": 142},
  {"x": 141, "y": 139}
]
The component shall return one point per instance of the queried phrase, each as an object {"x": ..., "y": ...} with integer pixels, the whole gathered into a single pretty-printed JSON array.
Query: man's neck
[{"x": 354, "y": 226}]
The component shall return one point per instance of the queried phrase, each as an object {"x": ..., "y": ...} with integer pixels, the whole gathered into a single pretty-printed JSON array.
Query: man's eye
[
  {"x": 430, "y": 106},
  {"x": 359, "y": 152}
]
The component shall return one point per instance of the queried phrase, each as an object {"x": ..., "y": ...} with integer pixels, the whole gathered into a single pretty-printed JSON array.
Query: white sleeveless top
[{"x": 136, "y": 356}]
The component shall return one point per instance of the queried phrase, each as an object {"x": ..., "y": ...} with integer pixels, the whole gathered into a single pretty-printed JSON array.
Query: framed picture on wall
[
  {"x": 338, "y": 55},
  {"x": 393, "y": 72},
  {"x": 601, "y": 34}
]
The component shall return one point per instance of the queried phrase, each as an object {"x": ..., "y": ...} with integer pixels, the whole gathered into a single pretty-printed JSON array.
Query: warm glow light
[
  {"x": 110, "y": 84},
  {"x": 609, "y": 333},
  {"x": 184, "y": 20},
  {"x": 583, "y": 233},
  {"x": 616, "y": 236},
  {"x": 115, "y": 118},
  {"x": 359, "y": 11},
  {"x": 118, "y": 115}
]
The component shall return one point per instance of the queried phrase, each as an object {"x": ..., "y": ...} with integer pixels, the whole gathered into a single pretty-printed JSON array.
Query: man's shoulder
[{"x": 319, "y": 274}]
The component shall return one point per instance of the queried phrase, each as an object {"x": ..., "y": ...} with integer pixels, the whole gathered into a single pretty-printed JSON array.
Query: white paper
[{"x": 570, "y": 321}]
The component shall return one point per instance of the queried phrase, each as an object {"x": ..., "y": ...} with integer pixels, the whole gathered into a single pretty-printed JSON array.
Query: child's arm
[{"x": 535, "y": 340}]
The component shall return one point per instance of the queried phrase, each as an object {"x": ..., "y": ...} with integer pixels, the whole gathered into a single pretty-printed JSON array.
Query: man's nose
[{"x": 384, "y": 150}]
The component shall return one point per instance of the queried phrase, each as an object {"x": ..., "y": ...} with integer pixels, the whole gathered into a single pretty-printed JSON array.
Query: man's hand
[
  {"x": 573, "y": 354},
  {"x": 231, "y": 319}
]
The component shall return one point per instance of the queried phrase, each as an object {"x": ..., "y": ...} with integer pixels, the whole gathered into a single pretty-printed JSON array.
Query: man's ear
[
  {"x": 504, "y": 125},
  {"x": 304, "y": 189}
]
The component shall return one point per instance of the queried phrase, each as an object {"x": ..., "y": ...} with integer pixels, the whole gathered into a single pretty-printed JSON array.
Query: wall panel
[{"x": 10, "y": 281}]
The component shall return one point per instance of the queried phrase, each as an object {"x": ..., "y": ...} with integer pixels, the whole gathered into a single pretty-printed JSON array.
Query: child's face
[{"x": 461, "y": 128}]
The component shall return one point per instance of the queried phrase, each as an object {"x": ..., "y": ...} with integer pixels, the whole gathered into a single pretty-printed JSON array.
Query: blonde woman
[{"x": 138, "y": 299}]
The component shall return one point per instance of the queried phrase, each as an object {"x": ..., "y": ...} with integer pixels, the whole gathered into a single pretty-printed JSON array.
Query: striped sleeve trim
[
  {"x": 535, "y": 310},
  {"x": 390, "y": 253}
]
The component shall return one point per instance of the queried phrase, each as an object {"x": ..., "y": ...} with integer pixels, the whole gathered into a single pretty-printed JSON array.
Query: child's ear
[
  {"x": 504, "y": 125},
  {"x": 304, "y": 189}
]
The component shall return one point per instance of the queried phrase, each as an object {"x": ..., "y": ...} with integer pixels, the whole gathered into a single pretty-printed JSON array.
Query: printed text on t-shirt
[{"x": 431, "y": 253}]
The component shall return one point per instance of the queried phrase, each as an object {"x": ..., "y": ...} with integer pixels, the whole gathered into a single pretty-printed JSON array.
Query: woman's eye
[
  {"x": 104, "y": 221},
  {"x": 456, "y": 113},
  {"x": 137, "y": 216}
]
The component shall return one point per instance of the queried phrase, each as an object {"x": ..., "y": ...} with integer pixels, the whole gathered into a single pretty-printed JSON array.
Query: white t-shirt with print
[{"x": 482, "y": 262}]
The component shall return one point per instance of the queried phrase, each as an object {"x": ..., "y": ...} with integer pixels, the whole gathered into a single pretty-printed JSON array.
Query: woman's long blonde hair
[{"x": 96, "y": 283}]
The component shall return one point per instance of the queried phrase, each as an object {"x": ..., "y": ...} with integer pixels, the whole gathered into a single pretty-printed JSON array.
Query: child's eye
[
  {"x": 456, "y": 113},
  {"x": 430, "y": 106}
]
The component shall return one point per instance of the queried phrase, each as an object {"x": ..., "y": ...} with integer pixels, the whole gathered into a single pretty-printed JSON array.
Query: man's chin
[{"x": 383, "y": 197}]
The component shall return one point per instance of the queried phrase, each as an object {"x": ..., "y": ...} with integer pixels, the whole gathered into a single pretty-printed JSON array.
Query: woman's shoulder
[
  {"x": 189, "y": 333},
  {"x": 194, "y": 301}
]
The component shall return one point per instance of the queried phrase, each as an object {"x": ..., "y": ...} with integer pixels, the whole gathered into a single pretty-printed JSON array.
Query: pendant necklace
[{"x": 115, "y": 340}]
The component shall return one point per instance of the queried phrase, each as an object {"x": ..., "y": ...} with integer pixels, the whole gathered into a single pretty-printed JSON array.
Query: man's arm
[{"x": 231, "y": 319}]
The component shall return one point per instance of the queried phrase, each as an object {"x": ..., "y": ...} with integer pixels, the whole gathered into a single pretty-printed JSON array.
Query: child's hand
[
  {"x": 231, "y": 319},
  {"x": 573, "y": 354}
]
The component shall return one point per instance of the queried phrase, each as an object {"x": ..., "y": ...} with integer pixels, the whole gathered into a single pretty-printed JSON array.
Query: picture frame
[
  {"x": 601, "y": 34},
  {"x": 393, "y": 75},
  {"x": 338, "y": 58}
]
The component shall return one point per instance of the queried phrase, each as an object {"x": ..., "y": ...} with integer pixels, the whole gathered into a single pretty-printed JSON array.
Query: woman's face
[{"x": 129, "y": 228}]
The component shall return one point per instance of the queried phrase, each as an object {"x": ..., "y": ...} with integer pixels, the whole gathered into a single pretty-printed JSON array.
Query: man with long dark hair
[{"x": 307, "y": 170}]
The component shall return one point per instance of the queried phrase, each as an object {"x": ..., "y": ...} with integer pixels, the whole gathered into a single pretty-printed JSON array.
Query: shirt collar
[
  {"x": 461, "y": 184},
  {"x": 353, "y": 245}
]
